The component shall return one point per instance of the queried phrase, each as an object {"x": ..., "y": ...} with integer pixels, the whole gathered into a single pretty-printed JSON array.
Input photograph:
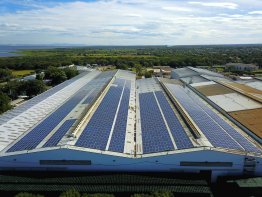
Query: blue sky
[{"x": 126, "y": 22}]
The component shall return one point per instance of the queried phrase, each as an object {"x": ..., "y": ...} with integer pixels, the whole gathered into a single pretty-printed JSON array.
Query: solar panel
[
  {"x": 118, "y": 137},
  {"x": 36, "y": 135},
  {"x": 90, "y": 98},
  {"x": 179, "y": 134},
  {"x": 155, "y": 137},
  {"x": 96, "y": 86},
  {"x": 96, "y": 133},
  {"x": 248, "y": 146},
  {"x": 218, "y": 132},
  {"x": 58, "y": 135}
]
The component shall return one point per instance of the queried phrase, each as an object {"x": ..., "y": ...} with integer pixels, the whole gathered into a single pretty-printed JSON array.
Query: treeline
[
  {"x": 179, "y": 56},
  {"x": 30, "y": 88},
  {"x": 57, "y": 75},
  {"x": 5, "y": 74},
  {"x": 4, "y": 102}
]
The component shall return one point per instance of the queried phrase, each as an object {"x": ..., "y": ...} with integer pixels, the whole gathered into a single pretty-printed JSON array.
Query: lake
[{"x": 10, "y": 51}]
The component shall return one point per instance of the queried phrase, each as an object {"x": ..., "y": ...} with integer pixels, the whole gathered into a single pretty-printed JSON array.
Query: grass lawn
[
  {"x": 220, "y": 69},
  {"x": 22, "y": 73}
]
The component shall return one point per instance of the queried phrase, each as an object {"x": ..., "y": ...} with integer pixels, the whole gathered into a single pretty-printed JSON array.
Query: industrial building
[
  {"x": 241, "y": 67},
  {"x": 162, "y": 71},
  {"x": 240, "y": 101},
  {"x": 109, "y": 121}
]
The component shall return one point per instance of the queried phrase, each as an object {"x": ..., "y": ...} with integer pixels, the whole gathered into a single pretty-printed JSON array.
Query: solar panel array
[
  {"x": 97, "y": 84},
  {"x": 58, "y": 135},
  {"x": 155, "y": 136},
  {"x": 117, "y": 142},
  {"x": 90, "y": 98},
  {"x": 181, "y": 139},
  {"x": 37, "y": 99},
  {"x": 37, "y": 134},
  {"x": 96, "y": 133},
  {"x": 218, "y": 132},
  {"x": 248, "y": 146}
]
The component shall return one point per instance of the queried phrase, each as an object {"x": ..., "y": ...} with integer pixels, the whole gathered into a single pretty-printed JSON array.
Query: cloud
[
  {"x": 255, "y": 12},
  {"x": 227, "y": 5},
  {"x": 177, "y": 9},
  {"x": 133, "y": 22}
]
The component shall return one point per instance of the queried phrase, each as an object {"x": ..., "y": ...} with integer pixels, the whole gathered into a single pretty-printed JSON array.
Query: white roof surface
[
  {"x": 256, "y": 85},
  {"x": 234, "y": 102},
  {"x": 194, "y": 79},
  {"x": 203, "y": 83}
]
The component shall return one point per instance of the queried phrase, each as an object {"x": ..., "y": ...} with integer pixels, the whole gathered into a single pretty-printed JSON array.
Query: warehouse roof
[{"x": 112, "y": 113}]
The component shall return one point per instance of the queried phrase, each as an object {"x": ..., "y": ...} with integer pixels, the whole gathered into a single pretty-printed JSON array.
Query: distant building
[
  {"x": 241, "y": 67},
  {"x": 166, "y": 72},
  {"x": 82, "y": 69},
  {"x": 157, "y": 72},
  {"x": 194, "y": 75},
  {"x": 162, "y": 71},
  {"x": 29, "y": 77}
]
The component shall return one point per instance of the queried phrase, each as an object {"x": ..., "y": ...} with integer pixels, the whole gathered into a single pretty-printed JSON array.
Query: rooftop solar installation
[
  {"x": 218, "y": 132},
  {"x": 22, "y": 123},
  {"x": 109, "y": 121},
  {"x": 37, "y": 134},
  {"x": 90, "y": 98},
  {"x": 178, "y": 132},
  {"x": 117, "y": 142},
  {"x": 248, "y": 146},
  {"x": 116, "y": 113},
  {"x": 96, "y": 133},
  {"x": 155, "y": 135},
  {"x": 96, "y": 86},
  {"x": 57, "y": 136}
]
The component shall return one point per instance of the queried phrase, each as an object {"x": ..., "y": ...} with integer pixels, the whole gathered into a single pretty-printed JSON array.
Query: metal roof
[
  {"x": 110, "y": 113},
  {"x": 234, "y": 102}
]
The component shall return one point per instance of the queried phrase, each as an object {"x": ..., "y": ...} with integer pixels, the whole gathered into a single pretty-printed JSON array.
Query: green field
[{"x": 22, "y": 73}]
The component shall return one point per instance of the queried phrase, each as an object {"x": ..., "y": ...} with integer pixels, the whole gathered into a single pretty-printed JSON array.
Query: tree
[
  {"x": 4, "y": 102},
  {"x": 13, "y": 89},
  {"x": 56, "y": 75},
  {"x": 70, "y": 72},
  {"x": 138, "y": 69},
  {"x": 40, "y": 76},
  {"x": 5, "y": 74},
  {"x": 33, "y": 87},
  {"x": 122, "y": 66},
  {"x": 148, "y": 74}
]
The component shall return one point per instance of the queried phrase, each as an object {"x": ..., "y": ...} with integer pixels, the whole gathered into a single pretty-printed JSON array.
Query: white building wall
[{"x": 101, "y": 162}]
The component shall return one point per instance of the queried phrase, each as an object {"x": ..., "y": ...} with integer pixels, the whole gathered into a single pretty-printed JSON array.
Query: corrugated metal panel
[{"x": 234, "y": 102}]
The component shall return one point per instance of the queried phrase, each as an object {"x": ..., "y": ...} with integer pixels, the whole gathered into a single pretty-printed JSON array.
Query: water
[
  {"x": 6, "y": 51},
  {"x": 10, "y": 51}
]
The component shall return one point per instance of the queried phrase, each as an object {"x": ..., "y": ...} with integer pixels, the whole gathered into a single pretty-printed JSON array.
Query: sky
[{"x": 130, "y": 22}]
